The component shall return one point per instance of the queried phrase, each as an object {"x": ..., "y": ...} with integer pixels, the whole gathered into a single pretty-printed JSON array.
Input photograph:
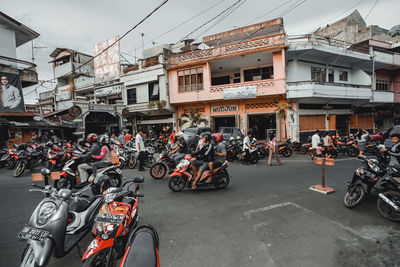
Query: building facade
[{"x": 237, "y": 82}]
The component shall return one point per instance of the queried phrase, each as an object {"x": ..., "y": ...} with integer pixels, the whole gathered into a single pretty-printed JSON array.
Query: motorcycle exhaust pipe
[{"x": 391, "y": 203}]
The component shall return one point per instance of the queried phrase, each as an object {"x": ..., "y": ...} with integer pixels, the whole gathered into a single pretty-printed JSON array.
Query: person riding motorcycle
[
  {"x": 202, "y": 157},
  {"x": 220, "y": 154},
  {"x": 94, "y": 151},
  {"x": 179, "y": 150},
  {"x": 394, "y": 151},
  {"x": 104, "y": 159}
]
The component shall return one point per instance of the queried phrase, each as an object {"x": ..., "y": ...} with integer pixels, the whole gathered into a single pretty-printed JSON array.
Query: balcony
[
  {"x": 26, "y": 69},
  {"x": 311, "y": 89},
  {"x": 65, "y": 69},
  {"x": 382, "y": 97}
]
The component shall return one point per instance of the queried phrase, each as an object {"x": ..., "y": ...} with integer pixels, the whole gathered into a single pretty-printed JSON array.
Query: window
[
  {"x": 190, "y": 80},
  {"x": 318, "y": 74},
  {"x": 331, "y": 75},
  {"x": 220, "y": 80},
  {"x": 154, "y": 92},
  {"x": 383, "y": 85},
  {"x": 264, "y": 73},
  {"x": 131, "y": 95},
  {"x": 343, "y": 76}
]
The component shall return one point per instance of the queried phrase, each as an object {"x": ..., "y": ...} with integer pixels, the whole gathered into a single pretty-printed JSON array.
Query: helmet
[
  {"x": 218, "y": 137},
  {"x": 206, "y": 135},
  {"x": 238, "y": 137},
  {"x": 104, "y": 139},
  {"x": 231, "y": 139},
  {"x": 92, "y": 138}
]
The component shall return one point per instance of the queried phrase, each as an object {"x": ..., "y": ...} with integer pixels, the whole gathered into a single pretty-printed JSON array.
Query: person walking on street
[
  {"x": 273, "y": 150},
  {"x": 140, "y": 148},
  {"x": 362, "y": 137},
  {"x": 315, "y": 141},
  {"x": 246, "y": 147}
]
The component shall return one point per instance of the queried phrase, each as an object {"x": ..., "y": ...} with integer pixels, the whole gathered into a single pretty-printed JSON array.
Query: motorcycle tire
[
  {"x": 158, "y": 171},
  {"x": 353, "y": 151},
  {"x": 253, "y": 159},
  {"x": 100, "y": 259},
  {"x": 354, "y": 196},
  {"x": 50, "y": 166},
  {"x": 11, "y": 163},
  {"x": 121, "y": 164},
  {"x": 262, "y": 153},
  {"x": 177, "y": 183},
  {"x": 132, "y": 163},
  {"x": 19, "y": 169},
  {"x": 386, "y": 210},
  {"x": 63, "y": 183},
  {"x": 222, "y": 182},
  {"x": 150, "y": 161},
  {"x": 333, "y": 153},
  {"x": 303, "y": 150},
  {"x": 287, "y": 152},
  {"x": 28, "y": 257}
]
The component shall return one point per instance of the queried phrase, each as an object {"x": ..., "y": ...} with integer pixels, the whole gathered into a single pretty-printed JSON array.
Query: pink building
[{"x": 237, "y": 82}]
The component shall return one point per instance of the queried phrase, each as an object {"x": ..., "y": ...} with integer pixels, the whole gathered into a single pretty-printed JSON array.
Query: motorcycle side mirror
[
  {"x": 45, "y": 172},
  {"x": 138, "y": 179}
]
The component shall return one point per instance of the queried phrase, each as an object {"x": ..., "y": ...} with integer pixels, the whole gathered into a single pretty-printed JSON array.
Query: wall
[
  {"x": 7, "y": 43},
  {"x": 312, "y": 122}
]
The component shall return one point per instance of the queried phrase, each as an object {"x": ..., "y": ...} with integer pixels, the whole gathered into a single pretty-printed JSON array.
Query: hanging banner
[
  {"x": 11, "y": 97},
  {"x": 240, "y": 92}
]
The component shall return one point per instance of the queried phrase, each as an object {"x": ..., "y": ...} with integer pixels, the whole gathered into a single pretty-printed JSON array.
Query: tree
[
  {"x": 193, "y": 116},
  {"x": 282, "y": 110}
]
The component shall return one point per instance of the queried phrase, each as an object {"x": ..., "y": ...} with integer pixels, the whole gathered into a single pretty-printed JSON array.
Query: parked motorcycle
[
  {"x": 113, "y": 223},
  {"x": 59, "y": 222},
  {"x": 182, "y": 176},
  {"x": 389, "y": 199},
  {"x": 142, "y": 248},
  {"x": 57, "y": 157},
  {"x": 27, "y": 159}
]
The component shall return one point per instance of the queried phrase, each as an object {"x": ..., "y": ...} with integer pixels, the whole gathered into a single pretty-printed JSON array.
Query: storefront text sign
[
  {"x": 240, "y": 92},
  {"x": 111, "y": 90},
  {"x": 224, "y": 108},
  {"x": 102, "y": 108}
]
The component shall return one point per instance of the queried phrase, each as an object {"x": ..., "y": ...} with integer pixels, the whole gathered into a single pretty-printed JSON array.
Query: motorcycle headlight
[
  {"x": 106, "y": 230},
  {"x": 45, "y": 212}
]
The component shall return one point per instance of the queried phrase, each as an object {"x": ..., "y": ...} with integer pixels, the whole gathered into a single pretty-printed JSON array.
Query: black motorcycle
[
  {"x": 389, "y": 198},
  {"x": 60, "y": 221},
  {"x": 27, "y": 159}
]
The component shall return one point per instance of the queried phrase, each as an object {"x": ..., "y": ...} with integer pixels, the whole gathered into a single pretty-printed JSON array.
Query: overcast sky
[{"x": 79, "y": 24}]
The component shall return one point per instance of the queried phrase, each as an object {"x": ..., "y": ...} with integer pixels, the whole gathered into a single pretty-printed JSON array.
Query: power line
[
  {"x": 120, "y": 38},
  {"x": 376, "y": 2},
  {"x": 292, "y": 7},
  {"x": 270, "y": 11}
]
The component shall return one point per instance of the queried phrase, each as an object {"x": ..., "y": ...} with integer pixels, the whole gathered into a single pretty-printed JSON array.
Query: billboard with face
[{"x": 11, "y": 97}]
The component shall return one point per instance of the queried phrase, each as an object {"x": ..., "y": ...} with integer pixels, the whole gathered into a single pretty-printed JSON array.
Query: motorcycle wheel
[
  {"x": 150, "y": 161},
  {"x": 121, "y": 164},
  {"x": 333, "y": 153},
  {"x": 303, "y": 150},
  {"x": 386, "y": 210},
  {"x": 262, "y": 153},
  {"x": 158, "y": 171},
  {"x": 63, "y": 183},
  {"x": 132, "y": 162},
  {"x": 19, "y": 169},
  {"x": 28, "y": 257},
  {"x": 352, "y": 151},
  {"x": 230, "y": 156},
  {"x": 354, "y": 197},
  {"x": 223, "y": 182},
  {"x": 253, "y": 158},
  {"x": 101, "y": 258},
  {"x": 11, "y": 163},
  {"x": 287, "y": 152},
  {"x": 50, "y": 166},
  {"x": 177, "y": 183}
]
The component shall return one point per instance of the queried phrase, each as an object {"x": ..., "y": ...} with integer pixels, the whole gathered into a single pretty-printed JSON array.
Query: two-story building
[{"x": 237, "y": 82}]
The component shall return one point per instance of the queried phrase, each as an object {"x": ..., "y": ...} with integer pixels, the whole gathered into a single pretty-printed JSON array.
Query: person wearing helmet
[
  {"x": 104, "y": 159},
  {"x": 394, "y": 151},
  {"x": 94, "y": 151},
  {"x": 202, "y": 157},
  {"x": 220, "y": 154},
  {"x": 179, "y": 149}
]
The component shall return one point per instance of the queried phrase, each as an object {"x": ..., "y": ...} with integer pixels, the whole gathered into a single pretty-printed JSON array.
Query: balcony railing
[
  {"x": 328, "y": 83},
  {"x": 17, "y": 63}
]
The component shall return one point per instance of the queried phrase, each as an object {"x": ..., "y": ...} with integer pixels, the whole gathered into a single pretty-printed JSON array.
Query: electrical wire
[
  {"x": 116, "y": 41},
  {"x": 268, "y": 12},
  {"x": 292, "y": 7},
  {"x": 376, "y": 2}
]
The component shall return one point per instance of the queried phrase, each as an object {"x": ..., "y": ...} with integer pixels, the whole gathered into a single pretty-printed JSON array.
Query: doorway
[
  {"x": 342, "y": 124},
  {"x": 224, "y": 122},
  {"x": 101, "y": 122},
  {"x": 262, "y": 125}
]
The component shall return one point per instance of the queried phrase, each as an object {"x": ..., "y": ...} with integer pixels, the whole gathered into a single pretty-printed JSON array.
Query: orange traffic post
[{"x": 321, "y": 188}]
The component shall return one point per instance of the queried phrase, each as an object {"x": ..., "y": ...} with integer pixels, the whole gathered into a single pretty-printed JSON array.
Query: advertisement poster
[{"x": 11, "y": 97}]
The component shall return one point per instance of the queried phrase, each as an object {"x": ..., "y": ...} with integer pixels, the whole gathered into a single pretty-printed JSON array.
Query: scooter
[
  {"x": 163, "y": 164},
  {"x": 113, "y": 223},
  {"x": 59, "y": 222},
  {"x": 142, "y": 248},
  {"x": 182, "y": 177}
]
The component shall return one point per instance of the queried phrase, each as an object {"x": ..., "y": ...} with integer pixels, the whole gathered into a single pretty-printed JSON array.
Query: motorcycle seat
[
  {"x": 142, "y": 252},
  {"x": 396, "y": 179}
]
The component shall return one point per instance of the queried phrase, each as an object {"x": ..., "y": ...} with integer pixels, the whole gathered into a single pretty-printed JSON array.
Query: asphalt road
[{"x": 266, "y": 217}]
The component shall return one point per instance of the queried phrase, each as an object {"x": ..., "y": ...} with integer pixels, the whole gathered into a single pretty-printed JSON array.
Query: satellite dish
[{"x": 38, "y": 118}]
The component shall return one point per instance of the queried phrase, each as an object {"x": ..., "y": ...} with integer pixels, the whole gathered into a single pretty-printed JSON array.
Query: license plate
[
  {"x": 118, "y": 171},
  {"x": 33, "y": 233},
  {"x": 109, "y": 218}
]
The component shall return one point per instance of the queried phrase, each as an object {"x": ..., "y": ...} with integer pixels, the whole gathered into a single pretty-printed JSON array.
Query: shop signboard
[
  {"x": 107, "y": 63},
  {"x": 102, "y": 108},
  {"x": 110, "y": 90},
  {"x": 225, "y": 108},
  {"x": 240, "y": 92}
]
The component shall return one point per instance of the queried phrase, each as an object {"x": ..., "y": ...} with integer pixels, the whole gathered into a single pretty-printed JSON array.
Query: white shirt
[
  {"x": 315, "y": 140},
  {"x": 139, "y": 143},
  {"x": 10, "y": 96},
  {"x": 246, "y": 140}
]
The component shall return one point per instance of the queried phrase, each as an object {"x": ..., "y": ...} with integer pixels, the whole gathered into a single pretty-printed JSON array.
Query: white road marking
[{"x": 270, "y": 207}]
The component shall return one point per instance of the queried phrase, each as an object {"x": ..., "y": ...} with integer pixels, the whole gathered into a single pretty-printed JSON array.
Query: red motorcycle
[
  {"x": 182, "y": 176},
  {"x": 163, "y": 165},
  {"x": 142, "y": 249},
  {"x": 113, "y": 224},
  {"x": 57, "y": 157}
]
